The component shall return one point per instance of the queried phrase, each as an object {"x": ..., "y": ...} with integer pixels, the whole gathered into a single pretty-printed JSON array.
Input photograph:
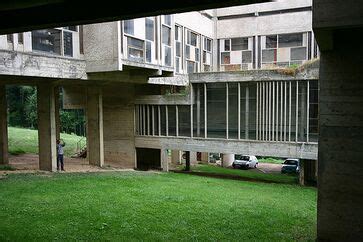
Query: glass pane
[
  {"x": 216, "y": 110},
  {"x": 167, "y": 19},
  {"x": 178, "y": 48},
  {"x": 177, "y": 63},
  {"x": 269, "y": 55},
  {"x": 148, "y": 51},
  {"x": 239, "y": 44},
  {"x": 190, "y": 66},
  {"x": 290, "y": 40},
  {"x": 187, "y": 51},
  {"x": 184, "y": 120},
  {"x": 197, "y": 54},
  {"x": 47, "y": 40},
  {"x": 163, "y": 120},
  {"x": 167, "y": 53},
  {"x": 166, "y": 35},
  {"x": 129, "y": 26},
  {"x": 149, "y": 29},
  {"x": 68, "y": 43},
  {"x": 227, "y": 46},
  {"x": 246, "y": 56},
  {"x": 298, "y": 53},
  {"x": 192, "y": 38},
  {"x": 232, "y": 110},
  {"x": 198, "y": 110},
  {"x": 271, "y": 41},
  {"x": 172, "y": 120},
  {"x": 225, "y": 58}
]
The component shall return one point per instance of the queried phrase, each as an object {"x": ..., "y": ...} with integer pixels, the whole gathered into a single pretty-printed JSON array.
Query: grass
[
  {"x": 7, "y": 168},
  {"x": 135, "y": 206},
  {"x": 26, "y": 141},
  {"x": 270, "y": 160},
  {"x": 252, "y": 174}
]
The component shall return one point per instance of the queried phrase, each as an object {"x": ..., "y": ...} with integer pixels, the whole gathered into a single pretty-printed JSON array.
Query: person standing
[{"x": 60, "y": 153}]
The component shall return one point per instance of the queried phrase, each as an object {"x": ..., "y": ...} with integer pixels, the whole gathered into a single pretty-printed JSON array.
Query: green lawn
[
  {"x": 26, "y": 141},
  {"x": 135, "y": 206},
  {"x": 251, "y": 173}
]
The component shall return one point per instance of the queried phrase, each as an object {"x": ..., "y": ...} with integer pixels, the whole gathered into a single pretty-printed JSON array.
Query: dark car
[{"x": 290, "y": 166}]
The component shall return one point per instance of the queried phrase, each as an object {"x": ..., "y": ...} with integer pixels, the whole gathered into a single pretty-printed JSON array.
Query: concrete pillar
[
  {"x": 164, "y": 159},
  {"x": 3, "y": 127},
  {"x": 204, "y": 157},
  {"x": 46, "y": 128},
  {"x": 176, "y": 157},
  {"x": 187, "y": 160},
  {"x": 193, "y": 158},
  {"x": 95, "y": 146},
  {"x": 57, "y": 114},
  {"x": 307, "y": 174},
  {"x": 227, "y": 160}
]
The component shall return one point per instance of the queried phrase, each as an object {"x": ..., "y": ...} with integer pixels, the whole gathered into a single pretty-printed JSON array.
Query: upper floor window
[
  {"x": 47, "y": 40},
  {"x": 129, "y": 26},
  {"x": 207, "y": 44},
  {"x": 149, "y": 29},
  {"x": 239, "y": 44},
  {"x": 135, "y": 49},
  {"x": 166, "y": 31},
  {"x": 167, "y": 20},
  {"x": 290, "y": 40},
  {"x": 10, "y": 38},
  {"x": 72, "y": 28},
  {"x": 21, "y": 38},
  {"x": 192, "y": 38}
]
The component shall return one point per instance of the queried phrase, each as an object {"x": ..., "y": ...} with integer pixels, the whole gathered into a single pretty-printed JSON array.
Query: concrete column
[
  {"x": 3, "y": 127},
  {"x": 187, "y": 161},
  {"x": 227, "y": 160},
  {"x": 307, "y": 174},
  {"x": 176, "y": 157},
  {"x": 204, "y": 157},
  {"x": 57, "y": 114},
  {"x": 193, "y": 158},
  {"x": 95, "y": 146},
  {"x": 46, "y": 128},
  {"x": 164, "y": 159}
]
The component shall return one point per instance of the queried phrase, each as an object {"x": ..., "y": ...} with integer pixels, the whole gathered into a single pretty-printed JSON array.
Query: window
[
  {"x": 269, "y": 55},
  {"x": 271, "y": 41},
  {"x": 68, "y": 43},
  {"x": 167, "y": 56},
  {"x": 177, "y": 30},
  {"x": 47, "y": 40},
  {"x": 177, "y": 64},
  {"x": 290, "y": 40},
  {"x": 148, "y": 51},
  {"x": 227, "y": 45},
  {"x": 129, "y": 26},
  {"x": 187, "y": 51},
  {"x": 225, "y": 58},
  {"x": 208, "y": 44},
  {"x": 197, "y": 54},
  {"x": 190, "y": 66},
  {"x": 192, "y": 38},
  {"x": 239, "y": 44},
  {"x": 135, "y": 49},
  {"x": 149, "y": 29},
  {"x": 167, "y": 20},
  {"x": 178, "y": 49},
  {"x": 298, "y": 53},
  {"x": 10, "y": 38},
  {"x": 246, "y": 56},
  {"x": 166, "y": 35},
  {"x": 21, "y": 38}
]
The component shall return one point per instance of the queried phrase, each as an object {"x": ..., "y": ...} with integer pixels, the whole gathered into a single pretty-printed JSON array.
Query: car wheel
[{"x": 256, "y": 165}]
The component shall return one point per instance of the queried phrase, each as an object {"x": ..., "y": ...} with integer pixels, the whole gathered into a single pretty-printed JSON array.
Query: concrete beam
[
  {"x": 47, "y": 127},
  {"x": 252, "y": 147},
  {"x": 3, "y": 127},
  {"x": 95, "y": 145}
]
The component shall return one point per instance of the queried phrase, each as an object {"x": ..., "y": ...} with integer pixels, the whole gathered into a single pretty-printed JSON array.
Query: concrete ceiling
[{"x": 23, "y": 15}]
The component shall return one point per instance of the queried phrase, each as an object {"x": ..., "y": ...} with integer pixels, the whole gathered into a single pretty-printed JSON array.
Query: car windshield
[
  {"x": 241, "y": 157},
  {"x": 290, "y": 162}
]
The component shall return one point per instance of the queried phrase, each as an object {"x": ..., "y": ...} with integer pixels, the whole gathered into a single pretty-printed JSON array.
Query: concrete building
[{"x": 336, "y": 25}]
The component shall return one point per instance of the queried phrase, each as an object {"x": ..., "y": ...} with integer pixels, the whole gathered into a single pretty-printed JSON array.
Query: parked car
[
  {"x": 245, "y": 161},
  {"x": 290, "y": 166}
]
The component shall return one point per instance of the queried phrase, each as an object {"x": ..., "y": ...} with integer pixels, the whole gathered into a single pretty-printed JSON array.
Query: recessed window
[
  {"x": 167, "y": 55},
  {"x": 208, "y": 44},
  {"x": 239, "y": 44},
  {"x": 190, "y": 66},
  {"x": 166, "y": 35},
  {"x": 10, "y": 38},
  {"x": 21, "y": 38},
  {"x": 269, "y": 55},
  {"x": 167, "y": 19},
  {"x": 178, "y": 49},
  {"x": 129, "y": 26},
  {"x": 72, "y": 28},
  {"x": 149, "y": 29},
  {"x": 177, "y": 64},
  {"x": 298, "y": 53},
  {"x": 135, "y": 49},
  {"x": 246, "y": 56},
  {"x": 192, "y": 38},
  {"x": 227, "y": 45},
  {"x": 197, "y": 57},
  {"x": 187, "y": 51},
  {"x": 148, "y": 51},
  {"x": 290, "y": 40},
  {"x": 68, "y": 43},
  {"x": 47, "y": 40},
  {"x": 271, "y": 41},
  {"x": 225, "y": 58}
]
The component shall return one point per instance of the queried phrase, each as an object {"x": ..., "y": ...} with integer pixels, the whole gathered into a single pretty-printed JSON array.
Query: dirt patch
[{"x": 269, "y": 167}]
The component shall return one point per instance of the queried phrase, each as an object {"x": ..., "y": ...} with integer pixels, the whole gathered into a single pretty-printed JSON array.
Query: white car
[{"x": 245, "y": 161}]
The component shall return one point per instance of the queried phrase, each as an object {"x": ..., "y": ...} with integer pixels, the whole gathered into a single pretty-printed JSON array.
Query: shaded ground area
[{"x": 150, "y": 206}]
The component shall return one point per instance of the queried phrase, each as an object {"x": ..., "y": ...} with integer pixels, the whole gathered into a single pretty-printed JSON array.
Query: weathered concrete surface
[
  {"x": 178, "y": 80},
  {"x": 4, "y": 159},
  {"x": 95, "y": 146},
  {"x": 172, "y": 99},
  {"x": 47, "y": 127},
  {"x": 258, "y": 148},
  {"x": 74, "y": 97},
  {"x": 118, "y": 116},
  {"x": 340, "y": 171},
  {"x": 176, "y": 157},
  {"x": 41, "y": 65}
]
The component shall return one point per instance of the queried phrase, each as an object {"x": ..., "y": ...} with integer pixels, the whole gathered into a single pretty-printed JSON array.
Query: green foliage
[
  {"x": 7, "y": 168},
  {"x": 270, "y": 160},
  {"x": 145, "y": 206},
  {"x": 16, "y": 151}
]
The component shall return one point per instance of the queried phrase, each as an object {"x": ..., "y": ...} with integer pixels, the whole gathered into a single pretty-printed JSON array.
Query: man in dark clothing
[{"x": 60, "y": 154}]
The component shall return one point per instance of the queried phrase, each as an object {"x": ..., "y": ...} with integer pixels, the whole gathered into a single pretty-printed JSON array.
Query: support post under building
[
  {"x": 95, "y": 147},
  {"x": 3, "y": 127},
  {"x": 47, "y": 127}
]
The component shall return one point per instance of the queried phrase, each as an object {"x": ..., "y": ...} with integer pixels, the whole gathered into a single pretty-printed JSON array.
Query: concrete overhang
[{"x": 24, "y": 15}]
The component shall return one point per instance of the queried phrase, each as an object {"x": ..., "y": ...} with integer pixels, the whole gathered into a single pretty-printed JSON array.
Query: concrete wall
[
  {"x": 196, "y": 22},
  {"x": 118, "y": 120}
]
